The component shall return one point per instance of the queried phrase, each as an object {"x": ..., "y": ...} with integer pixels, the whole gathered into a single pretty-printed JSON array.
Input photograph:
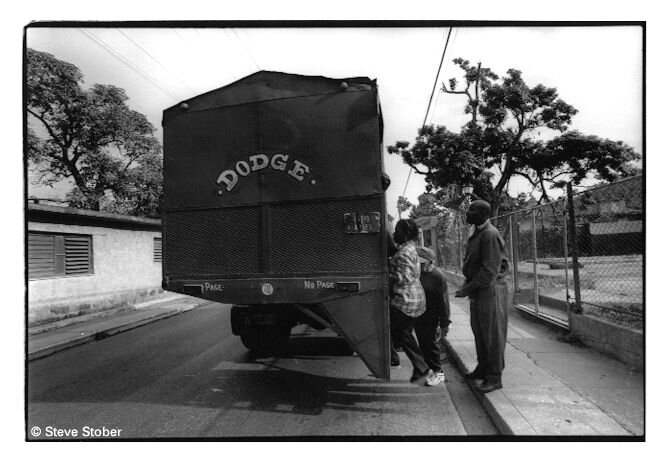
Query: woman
[{"x": 407, "y": 299}]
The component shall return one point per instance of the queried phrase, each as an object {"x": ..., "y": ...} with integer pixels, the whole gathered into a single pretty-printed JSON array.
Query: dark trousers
[
  {"x": 426, "y": 332},
  {"x": 401, "y": 332},
  {"x": 489, "y": 324}
]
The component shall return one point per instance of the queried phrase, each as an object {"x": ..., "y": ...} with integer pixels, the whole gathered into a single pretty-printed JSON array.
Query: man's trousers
[{"x": 489, "y": 323}]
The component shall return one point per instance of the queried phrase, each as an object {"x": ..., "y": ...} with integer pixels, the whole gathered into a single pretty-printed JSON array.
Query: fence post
[
  {"x": 516, "y": 252},
  {"x": 574, "y": 247},
  {"x": 566, "y": 258},
  {"x": 534, "y": 262},
  {"x": 512, "y": 252}
]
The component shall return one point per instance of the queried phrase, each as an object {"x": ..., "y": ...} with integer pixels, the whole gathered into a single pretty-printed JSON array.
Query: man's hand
[
  {"x": 465, "y": 290},
  {"x": 444, "y": 332}
]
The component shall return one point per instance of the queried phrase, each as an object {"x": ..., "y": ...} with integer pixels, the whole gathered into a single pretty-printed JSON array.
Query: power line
[
  {"x": 436, "y": 102},
  {"x": 434, "y": 108},
  {"x": 434, "y": 86},
  {"x": 245, "y": 48},
  {"x": 233, "y": 38},
  {"x": 120, "y": 57},
  {"x": 156, "y": 60},
  {"x": 436, "y": 78}
]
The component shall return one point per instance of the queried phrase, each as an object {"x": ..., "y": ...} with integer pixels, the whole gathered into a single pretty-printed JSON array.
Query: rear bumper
[{"x": 299, "y": 290}]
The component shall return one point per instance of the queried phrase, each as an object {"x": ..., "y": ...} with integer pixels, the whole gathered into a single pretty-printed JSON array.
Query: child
[{"x": 437, "y": 313}]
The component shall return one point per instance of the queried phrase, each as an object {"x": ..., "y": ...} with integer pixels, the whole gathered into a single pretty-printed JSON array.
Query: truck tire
[{"x": 265, "y": 340}]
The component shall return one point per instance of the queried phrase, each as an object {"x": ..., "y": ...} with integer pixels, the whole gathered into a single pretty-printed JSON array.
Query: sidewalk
[
  {"x": 553, "y": 388},
  {"x": 51, "y": 338}
]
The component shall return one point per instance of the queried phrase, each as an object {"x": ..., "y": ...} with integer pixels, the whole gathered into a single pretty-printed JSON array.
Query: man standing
[
  {"x": 437, "y": 313},
  {"x": 407, "y": 299},
  {"x": 485, "y": 267}
]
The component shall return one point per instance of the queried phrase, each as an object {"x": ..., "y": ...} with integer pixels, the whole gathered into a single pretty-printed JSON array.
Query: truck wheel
[{"x": 265, "y": 340}]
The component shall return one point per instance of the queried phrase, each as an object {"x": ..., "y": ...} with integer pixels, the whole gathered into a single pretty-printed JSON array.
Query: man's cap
[{"x": 426, "y": 255}]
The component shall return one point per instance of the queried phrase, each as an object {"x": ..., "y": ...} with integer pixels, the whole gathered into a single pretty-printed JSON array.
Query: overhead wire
[
  {"x": 157, "y": 61},
  {"x": 228, "y": 33},
  {"x": 96, "y": 40},
  {"x": 436, "y": 78},
  {"x": 434, "y": 108},
  {"x": 436, "y": 102},
  {"x": 246, "y": 50},
  {"x": 429, "y": 102}
]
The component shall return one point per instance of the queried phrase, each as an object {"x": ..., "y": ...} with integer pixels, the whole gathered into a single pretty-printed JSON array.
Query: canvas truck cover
[{"x": 273, "y": 195}]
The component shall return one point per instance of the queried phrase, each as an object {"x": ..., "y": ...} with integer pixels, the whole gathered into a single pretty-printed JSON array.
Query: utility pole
[{"x": 475, "y": 102}]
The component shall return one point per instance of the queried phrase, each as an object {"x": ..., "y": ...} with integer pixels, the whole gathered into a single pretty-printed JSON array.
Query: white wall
[{"x": 122, "y": 263}]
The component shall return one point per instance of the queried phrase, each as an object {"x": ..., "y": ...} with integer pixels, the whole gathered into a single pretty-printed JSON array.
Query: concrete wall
[
  {"x": 623, "y": 343},
  {"x": 124, "y": 272}
]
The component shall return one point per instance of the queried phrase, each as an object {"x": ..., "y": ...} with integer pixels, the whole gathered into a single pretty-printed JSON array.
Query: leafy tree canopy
[
  {"x": 500, "y": 141},
  {"x": 431, "y": 204},
  {"x": 92, "y": 136},
  {"x": 403, "y": 204}
]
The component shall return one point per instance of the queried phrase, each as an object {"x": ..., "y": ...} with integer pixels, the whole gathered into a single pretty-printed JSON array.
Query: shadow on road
[{"x": 222, "y": 380}]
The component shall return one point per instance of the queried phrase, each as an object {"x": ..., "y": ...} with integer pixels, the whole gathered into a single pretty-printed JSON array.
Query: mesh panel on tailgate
[
  {"x": 303, "y": 238},
  {"x": 220, "y": 242},
  {"x": 309, "y": 237}
]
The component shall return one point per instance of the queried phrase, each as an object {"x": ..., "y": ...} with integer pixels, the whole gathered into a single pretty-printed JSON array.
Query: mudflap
[{"x": 363, "y": 320}]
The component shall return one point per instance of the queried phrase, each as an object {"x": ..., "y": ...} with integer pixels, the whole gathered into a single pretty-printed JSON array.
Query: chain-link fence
[
  {"x": 536, "y": 243},
  {"x": 607, "y": 278},
  {"x": 610, "y": 248}
]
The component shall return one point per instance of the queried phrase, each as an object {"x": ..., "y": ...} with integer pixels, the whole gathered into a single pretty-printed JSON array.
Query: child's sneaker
[{"x": 433, "y": 379}]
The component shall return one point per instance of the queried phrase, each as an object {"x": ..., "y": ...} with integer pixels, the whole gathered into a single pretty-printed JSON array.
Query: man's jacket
[{"x": 485, "y": 261}]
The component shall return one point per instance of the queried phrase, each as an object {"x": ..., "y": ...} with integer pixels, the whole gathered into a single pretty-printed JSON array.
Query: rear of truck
[{"x": 274, "y": 203}]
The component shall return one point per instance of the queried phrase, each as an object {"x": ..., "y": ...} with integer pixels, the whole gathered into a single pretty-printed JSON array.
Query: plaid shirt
[{"x": 407, "y": 292}]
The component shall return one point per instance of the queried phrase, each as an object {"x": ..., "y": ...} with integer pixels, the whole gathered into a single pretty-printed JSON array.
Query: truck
[{"x": 274, "y": 202}]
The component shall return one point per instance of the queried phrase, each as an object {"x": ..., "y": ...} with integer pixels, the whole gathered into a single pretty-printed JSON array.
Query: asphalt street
[{"x": 189, "y": 377}]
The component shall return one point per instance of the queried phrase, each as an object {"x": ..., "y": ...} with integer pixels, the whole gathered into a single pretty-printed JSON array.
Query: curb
[
  {"x": 166, "y": 297},
  {"x": 74, "y": 320},
  {"x": 100, "y": 335},
  {"x": 508, "y": 421},
  {"x": 81, "y": 318}
]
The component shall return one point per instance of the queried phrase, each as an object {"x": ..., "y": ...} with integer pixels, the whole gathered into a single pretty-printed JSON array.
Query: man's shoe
[
  {"x": 476, "y": 375},
  {"x": 487, "y": 386},
  {"x": 395, "y": 364}
]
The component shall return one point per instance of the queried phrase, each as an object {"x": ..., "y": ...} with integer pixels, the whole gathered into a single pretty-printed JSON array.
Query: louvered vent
[
  {"x": 41, "y": 256},
  {"x": 157, "y": 249},
  {"x": 77, "y": 255}
]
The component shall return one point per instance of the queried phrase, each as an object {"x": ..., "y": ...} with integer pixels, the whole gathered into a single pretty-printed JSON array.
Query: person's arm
[
  {"x": 490, "y": 253},
  {"x": 466, "y": 289},
  {"x": 400, "y": 270}
]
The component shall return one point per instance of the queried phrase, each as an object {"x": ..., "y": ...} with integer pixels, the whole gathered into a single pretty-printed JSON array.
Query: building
[{"x": 82, "y": 262}]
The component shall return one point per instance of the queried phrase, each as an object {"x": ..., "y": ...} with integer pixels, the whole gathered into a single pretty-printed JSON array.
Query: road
[{"x": 189, "y": 377}]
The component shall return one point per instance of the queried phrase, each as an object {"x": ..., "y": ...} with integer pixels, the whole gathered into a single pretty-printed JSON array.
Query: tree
[
  {"x": 501, "y": 140},
  {"x": 93, "y": 137},
  {"x": 430, "y": 204},
  {"x": 610, "y": 160},
  {"x": 403, "y": 204}
]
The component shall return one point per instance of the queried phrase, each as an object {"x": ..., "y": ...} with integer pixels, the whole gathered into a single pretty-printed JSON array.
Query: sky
[{"x": 597, "y": 69}]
